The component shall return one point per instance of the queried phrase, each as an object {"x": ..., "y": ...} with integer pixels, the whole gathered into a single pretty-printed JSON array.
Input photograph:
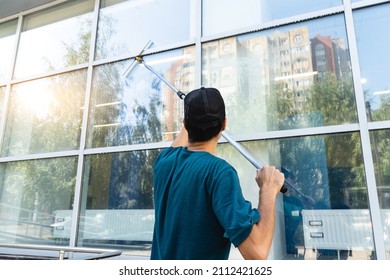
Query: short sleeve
[{"x": 234, "y": 213}]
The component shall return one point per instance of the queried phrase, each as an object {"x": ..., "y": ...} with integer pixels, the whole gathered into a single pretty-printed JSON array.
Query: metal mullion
[
  {"x": 198, "y": 43},
  {"x": 148, "y": 52},
  {"x": 80, "y": 164},
  {"x": 50, "y": 74},
  {"x": 379, "y": 125},
  {"x": 269, "y": 135},
  {"x": 301, "y": 132},
  {"x": 39, "y": 156},
  {"x": 373, "y": 200}
]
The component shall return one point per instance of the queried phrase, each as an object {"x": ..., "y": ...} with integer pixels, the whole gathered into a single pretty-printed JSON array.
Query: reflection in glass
[
  {"x": 380, "y": 141},
  {"x": 373, "y": 42},
  {"x": 126, "y": 26},
  {"x": 7, "y": 44},
  {"x": 294, "y": 77},
  {"x": 118, "y": 195},
  {"x": 45, "y": 115},
  {"x": 139, "y": 108},
  {"x": 2, "y": 94},
  {"x": 226, "y": 15},
  {"x": 329, "y": 179},
  {"x": 32, "y": 196},
  {"x": 55, "y": 38}
]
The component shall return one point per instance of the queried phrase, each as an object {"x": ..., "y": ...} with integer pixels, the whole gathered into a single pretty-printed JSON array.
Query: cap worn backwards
[{"x": 204, "y": 108}]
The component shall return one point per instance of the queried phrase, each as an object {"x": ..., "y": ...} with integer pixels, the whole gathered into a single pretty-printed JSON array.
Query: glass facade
[
  {"x": 305, "y": 87},
  {"x": 296, "y": 76},
  {"x": 31, "y": 194},
  {"x": 7, "y": 44},
  {"x": 217, "y": 20},
  {"x": 55, "y": 38},
  {"x": 374, "y": 59},
  {"x": 125, "y": 26},
  {"x": 45, "y": 115}
]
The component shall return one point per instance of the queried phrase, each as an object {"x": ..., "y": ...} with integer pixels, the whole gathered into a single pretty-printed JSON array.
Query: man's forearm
[
  {"x": 266, "y": 225},
  {"x": 257, "y": 245}
]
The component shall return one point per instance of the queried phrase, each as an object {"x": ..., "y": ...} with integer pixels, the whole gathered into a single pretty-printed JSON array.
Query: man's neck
[{"x": 207, "y": 146}]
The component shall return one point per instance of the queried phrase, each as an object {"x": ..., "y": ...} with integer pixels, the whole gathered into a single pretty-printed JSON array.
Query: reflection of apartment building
[
  {"x": 288, "y": 59},
  {"x": 220, "y": 69},
  {"x": 329, "y": 55},
  {"x": 181, "y": 75},
  {"x": 257, "y": 64},
  {"x": 291, "y": 59}
]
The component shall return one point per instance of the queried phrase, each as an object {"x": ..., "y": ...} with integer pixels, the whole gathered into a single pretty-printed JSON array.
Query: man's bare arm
[{"x": 259, "y": 241}]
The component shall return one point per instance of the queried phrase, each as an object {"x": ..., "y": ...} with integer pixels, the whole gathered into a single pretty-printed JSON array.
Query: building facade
[{"x": 306, "y": 89}]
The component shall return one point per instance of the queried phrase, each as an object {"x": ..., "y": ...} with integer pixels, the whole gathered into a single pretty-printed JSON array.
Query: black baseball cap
[{"x": 204, "y": 108}]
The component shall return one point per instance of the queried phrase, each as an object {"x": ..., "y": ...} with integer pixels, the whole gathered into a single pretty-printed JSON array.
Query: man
[{"x": 199, "y": 206}]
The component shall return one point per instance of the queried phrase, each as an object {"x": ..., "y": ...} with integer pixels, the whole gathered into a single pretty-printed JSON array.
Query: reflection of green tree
[
  {"x": 380, "y": 144},
  {"x": 384, "y": 111},
  {"x": 329, "y": 101},
  {"x": 135, "y": 184},
  {"x": 380, "y": 141},
  {"x": 60, "y": 128},
  {"x": 334, "y": 98},
  {"x": 280, "y": 106},
  {"x": 80, "y": 54},
  {"x": 48, "y": 184},
  {"x": 130, "y": 181}
]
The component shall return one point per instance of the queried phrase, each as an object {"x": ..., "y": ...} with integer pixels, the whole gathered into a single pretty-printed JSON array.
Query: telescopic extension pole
[{"x": 225, "y": 135}]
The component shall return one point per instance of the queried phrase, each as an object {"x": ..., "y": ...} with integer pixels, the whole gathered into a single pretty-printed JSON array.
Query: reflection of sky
[
  {"x": 6, "y": 49},
  {"x": 226, "y": 15},
  {"x": 373, "y": 41},
  {"x": 138, "y": 85},
  {"x": 45, "y": 47},
  {"x": 283, "y": 8},
  {"x": 334, "y": 27},
  {"x": 137, "y": 22}
]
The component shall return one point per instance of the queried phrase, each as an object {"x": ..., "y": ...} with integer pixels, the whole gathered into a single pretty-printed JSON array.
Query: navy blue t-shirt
[{"x": 199, "y": 206}]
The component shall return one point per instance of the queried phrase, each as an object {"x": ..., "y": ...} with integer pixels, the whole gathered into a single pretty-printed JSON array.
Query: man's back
[{"x": 199, "y": 206}]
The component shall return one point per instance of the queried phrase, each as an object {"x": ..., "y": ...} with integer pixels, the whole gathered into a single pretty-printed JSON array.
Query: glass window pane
[
  {"x": 139, "y": 108},
  {"x": 7, "y": 45},
  {"x": 55, "y": 38},
  {"x": 118, "y": 195},
  {"x": 126, "y": 26},
  {"x": 227, "y": 15},
  {"x": 45, "y": 115},
  {"x": 290, "y": 77},
  {"x": 373, "y": 41},
  {"x": 2, "y": 94},
  {"x": 329, "y": 200},
  {"x": 380, "y": 141},
  {"x": 31, "y": 195}
]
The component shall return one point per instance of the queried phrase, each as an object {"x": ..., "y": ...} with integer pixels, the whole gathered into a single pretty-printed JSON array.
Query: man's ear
[{"x": 224, "y": 124}]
